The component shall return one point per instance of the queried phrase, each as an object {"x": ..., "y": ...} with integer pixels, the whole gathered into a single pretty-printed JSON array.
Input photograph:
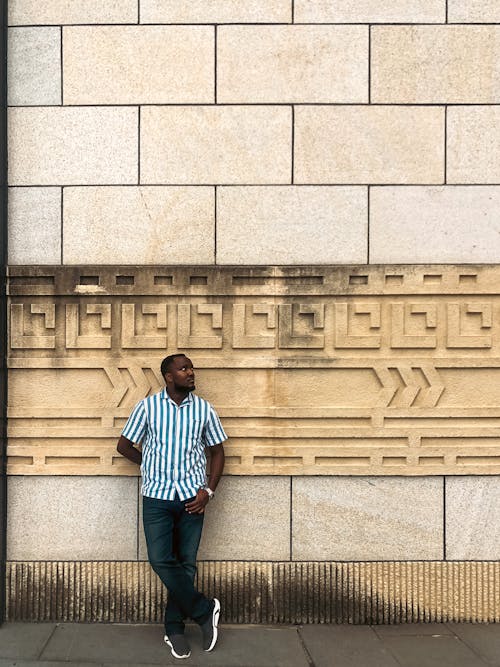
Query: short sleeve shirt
[{"x": 173, "y": 440}]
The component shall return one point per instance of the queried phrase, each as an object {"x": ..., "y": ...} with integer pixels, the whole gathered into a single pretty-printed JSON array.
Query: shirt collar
[{"x": 164, "y": 394}]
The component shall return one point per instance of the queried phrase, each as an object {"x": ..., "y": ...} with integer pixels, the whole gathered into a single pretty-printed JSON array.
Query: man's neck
[{"x": 177, "y": 396}]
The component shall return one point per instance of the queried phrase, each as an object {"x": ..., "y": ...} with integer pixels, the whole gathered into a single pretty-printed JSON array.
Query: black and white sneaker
[
  {"x": 209, "y": 627},
  {"x": 178, "y": 646}
]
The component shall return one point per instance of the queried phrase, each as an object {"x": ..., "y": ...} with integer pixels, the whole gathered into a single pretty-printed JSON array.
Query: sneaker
[
  {"x": 209, "y": 627},
  {"x": 178, "y": 646}
]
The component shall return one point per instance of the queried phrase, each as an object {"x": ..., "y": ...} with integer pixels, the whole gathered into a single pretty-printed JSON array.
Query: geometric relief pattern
[{"x": 390, "y": 370}]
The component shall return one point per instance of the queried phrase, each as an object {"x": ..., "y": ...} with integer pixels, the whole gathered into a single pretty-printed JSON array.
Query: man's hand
[{"x": 197, "y": 506}]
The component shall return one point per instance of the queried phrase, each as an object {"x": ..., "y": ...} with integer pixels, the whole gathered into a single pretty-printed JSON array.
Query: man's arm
[
  {"x": 217, "y": 457},
  {"x": 127, "y": 449}
]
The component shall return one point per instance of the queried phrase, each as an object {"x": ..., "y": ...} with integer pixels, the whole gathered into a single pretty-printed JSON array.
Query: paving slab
[
  {"x": 88, "y": 642},
  {"x": 38, "y": 663},
  {"x": 245, "y": 646},
  {"x": 168, "y": 661},
  {"x": 412, "y": 630},
  {"x": 345, "y": 646},
  {"x": 484, "y": 639},
  {"x": 252, "y": 646},
  {"x": 24, "y": 640},
  {"x": 422, "y": 651}
]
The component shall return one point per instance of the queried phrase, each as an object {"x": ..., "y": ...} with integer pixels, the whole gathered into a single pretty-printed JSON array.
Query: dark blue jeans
[{"x": 172, "y": 538}]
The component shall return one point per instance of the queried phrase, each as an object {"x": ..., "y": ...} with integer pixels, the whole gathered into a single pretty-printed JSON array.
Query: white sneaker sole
[
  {"x": 215, "y": 622},
  {"x": 172, "y": 650}
]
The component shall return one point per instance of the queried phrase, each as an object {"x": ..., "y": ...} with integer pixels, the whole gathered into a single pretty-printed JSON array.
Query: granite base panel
[{"x": 261, "y": 592}]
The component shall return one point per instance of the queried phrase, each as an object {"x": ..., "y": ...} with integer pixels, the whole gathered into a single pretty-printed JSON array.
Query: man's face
[{"x": 181, "y": 374}]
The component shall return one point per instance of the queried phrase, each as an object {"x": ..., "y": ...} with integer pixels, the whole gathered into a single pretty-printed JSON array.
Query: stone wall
[{"x": 322, "y": 145}]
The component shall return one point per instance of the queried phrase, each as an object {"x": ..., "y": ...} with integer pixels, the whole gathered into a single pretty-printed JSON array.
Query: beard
[{"x": 182, "y": 389}]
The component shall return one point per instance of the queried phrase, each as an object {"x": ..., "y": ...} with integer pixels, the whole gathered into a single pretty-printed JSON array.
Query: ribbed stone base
[{"x": 261, "y": 592}]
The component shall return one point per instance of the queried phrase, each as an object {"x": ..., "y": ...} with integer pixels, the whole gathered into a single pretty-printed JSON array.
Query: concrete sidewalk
[{"x": 418, "y": 645}]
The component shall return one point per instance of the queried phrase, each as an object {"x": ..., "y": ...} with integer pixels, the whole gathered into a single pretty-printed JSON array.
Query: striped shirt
[{"x": 173, "y": 440}]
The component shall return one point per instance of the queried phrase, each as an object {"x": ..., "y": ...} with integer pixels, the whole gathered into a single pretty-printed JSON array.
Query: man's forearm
[
  {"x": 127, "y": 449},
  {"x": 217, "y": 459}
]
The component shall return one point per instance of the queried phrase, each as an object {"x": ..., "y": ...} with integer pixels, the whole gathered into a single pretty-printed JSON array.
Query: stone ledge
[{"x": 308, "y": 280}]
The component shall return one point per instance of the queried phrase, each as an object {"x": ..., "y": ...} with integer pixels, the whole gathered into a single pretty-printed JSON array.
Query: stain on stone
[{"x": 382, "y": 592}]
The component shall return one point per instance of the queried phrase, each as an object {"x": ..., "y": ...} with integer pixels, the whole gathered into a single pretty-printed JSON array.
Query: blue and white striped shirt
[{"x": 173, "y": 439}]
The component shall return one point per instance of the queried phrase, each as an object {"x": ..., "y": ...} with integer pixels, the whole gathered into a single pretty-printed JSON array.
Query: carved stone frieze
[{"x": 391, "y": 370}]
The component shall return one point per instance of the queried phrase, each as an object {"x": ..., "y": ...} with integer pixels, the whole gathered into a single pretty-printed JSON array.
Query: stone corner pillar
[{"x": 3, "y": 297}]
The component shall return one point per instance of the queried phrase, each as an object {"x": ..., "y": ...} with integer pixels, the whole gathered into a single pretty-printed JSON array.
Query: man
[{"x": 175, "y": 426}]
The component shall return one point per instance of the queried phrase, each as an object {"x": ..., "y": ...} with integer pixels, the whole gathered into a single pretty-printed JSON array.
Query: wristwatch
[{"x": 211, "y": 494}]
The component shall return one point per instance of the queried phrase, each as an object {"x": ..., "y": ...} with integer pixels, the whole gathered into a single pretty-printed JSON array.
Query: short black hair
[{"x": 167, "y": 362}]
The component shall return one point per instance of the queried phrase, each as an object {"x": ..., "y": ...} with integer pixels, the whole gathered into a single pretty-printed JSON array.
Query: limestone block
[
  {"x": 34, "y": 12},
  {"x": 473, "y": 136},
  {"x": 435, "y": 64},
  {"x": 281, "y": 219},
  {"x": 249, "y": 519},
  {"x": 473, "y": 11},
  {"x": 138, "y": 64},
  {"x": 73, "y": 145},
  {"x": 215, "y": 11},
  {"x": 138, "y": 225},
  {"x": 360, "y": 518},
  {"x": 212, "y": 145},
  {"x": 472, "y": 509},
  {"x": 34, "y": 66},
  {"x": 369, "y": 144},
  {"x": 434, "y": 224},
  {"x": 34, "y": 225},
  {"x": 72, "y": 518},
  {"x": 369, "y": 11},
  {"x": 292, "y": 64}
]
